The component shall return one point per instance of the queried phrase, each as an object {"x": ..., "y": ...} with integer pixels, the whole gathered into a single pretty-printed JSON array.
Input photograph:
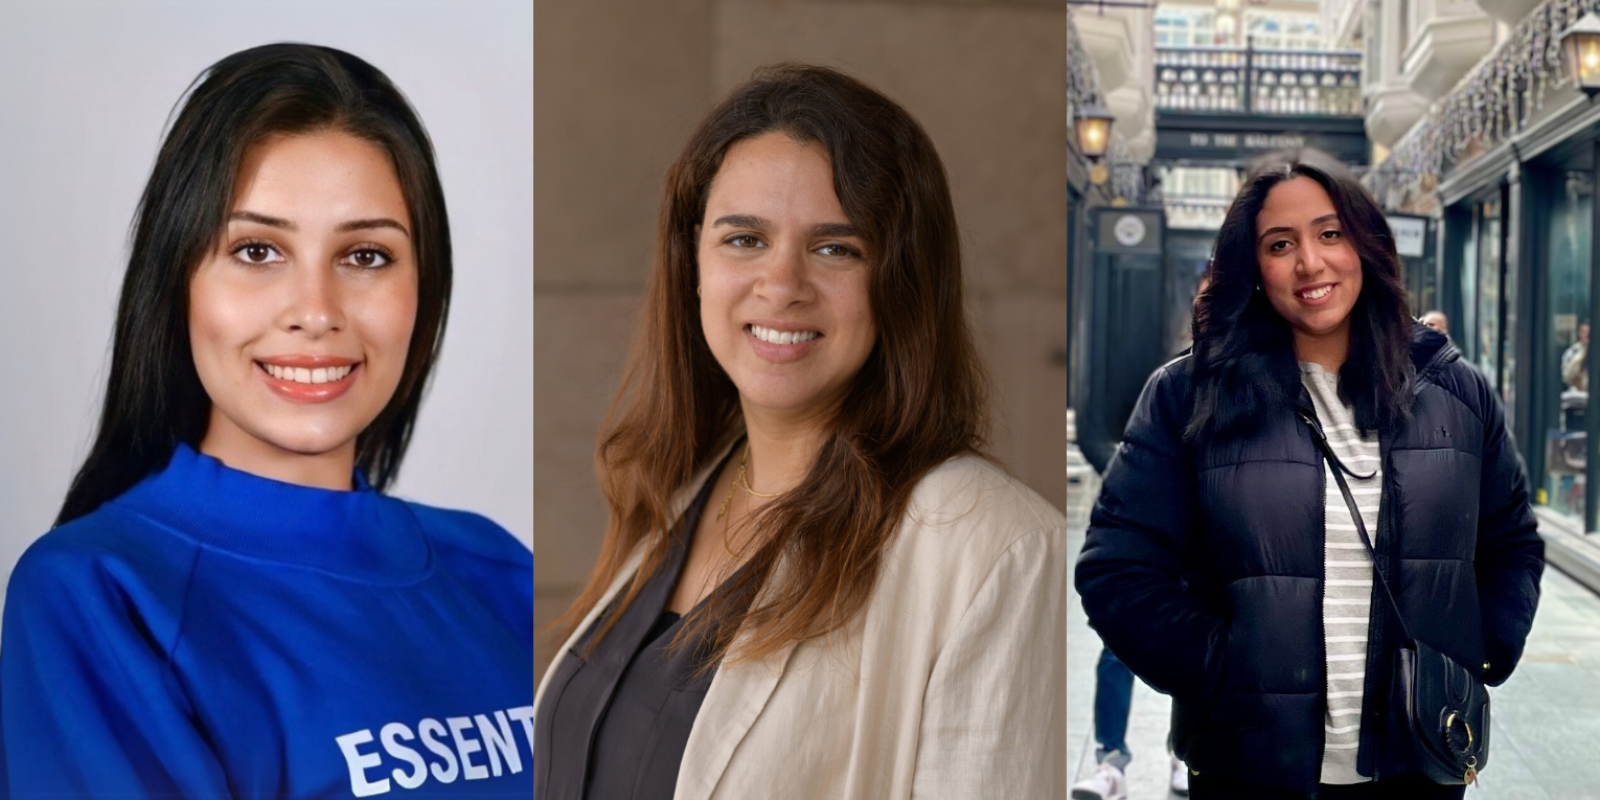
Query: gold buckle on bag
[
  {"x": 1464, "y": 724},
  {"x": 1471, "y": 775}
]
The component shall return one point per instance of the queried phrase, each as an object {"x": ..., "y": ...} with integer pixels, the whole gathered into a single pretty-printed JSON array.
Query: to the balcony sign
[
  {"x": 1249, "y": 141},
  {"x": 1236, "y": 138}
]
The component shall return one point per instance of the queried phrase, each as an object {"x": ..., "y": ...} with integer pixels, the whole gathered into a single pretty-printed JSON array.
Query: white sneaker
[
  {"x": 1107, "y": 783},
  {"x": 1180, "y": 777}
]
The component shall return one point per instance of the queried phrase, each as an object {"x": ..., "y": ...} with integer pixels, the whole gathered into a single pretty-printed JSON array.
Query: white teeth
[
  {"x": 782, "y": 337},
  {"x": 1316, "y": 293},
  {"x": 304, "y": 375}
]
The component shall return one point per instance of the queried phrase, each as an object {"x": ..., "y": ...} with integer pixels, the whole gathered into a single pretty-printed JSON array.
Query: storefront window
[
  {"x": 1279, "y": 30},
  {"x": 1466, "y": 340},
  {"x": 1184, "y": 27},
  {"x": 1186, "y": 255},
  {"x": 1418, "y": 270},
  {"x": 1564, "y": 401},
  {"x": 1425, "y": 295},
  {"x": 1490, "y": 270}
]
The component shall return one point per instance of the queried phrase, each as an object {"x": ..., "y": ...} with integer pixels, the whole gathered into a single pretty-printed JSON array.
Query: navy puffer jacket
[{"x": 1203, "y": 565}]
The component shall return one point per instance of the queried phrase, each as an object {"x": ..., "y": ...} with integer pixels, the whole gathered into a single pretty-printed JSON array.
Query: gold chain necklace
[{"x": 741, "y": 482}]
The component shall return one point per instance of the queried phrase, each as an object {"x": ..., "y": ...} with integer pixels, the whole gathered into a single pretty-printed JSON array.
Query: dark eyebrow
[
  {"x": 251, "y": 216},
  {"x": 742, "y": 221},
  {"x": 838, "y": 229},
  {"x": 1285, "y": 229},
  {"x": 367, "y": 224},
  {"x": 344, "y": 227}
]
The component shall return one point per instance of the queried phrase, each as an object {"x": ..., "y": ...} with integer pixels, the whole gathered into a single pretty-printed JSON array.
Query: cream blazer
[{"x": 950, "y": 684}]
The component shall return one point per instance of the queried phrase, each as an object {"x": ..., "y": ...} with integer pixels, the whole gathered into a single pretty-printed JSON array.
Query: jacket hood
[{"x": 1430, "y": 349}]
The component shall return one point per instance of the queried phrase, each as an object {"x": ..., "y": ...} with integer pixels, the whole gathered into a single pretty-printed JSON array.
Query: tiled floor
[{"x": 1546, "y": 721}]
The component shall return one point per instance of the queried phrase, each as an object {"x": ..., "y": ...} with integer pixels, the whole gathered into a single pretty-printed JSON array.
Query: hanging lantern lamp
[
  {"x": 1582, "y": 45},
  {"x": 1094, "y": 131}
]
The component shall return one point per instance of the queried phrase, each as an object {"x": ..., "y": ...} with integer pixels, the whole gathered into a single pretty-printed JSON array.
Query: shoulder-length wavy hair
[
  {"x": 919, "y": 399},
  {"x": 1244, "y": 360},
  {"x": 154, "y": 400}
]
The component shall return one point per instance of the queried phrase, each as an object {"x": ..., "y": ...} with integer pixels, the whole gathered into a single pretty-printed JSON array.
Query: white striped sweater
[{"x": 1347, "y": 594}]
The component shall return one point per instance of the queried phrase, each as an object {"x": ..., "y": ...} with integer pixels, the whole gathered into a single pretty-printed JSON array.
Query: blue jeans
[{"x": 1113, "y": 697}]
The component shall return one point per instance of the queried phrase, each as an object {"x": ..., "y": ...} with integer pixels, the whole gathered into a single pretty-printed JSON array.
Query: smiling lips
[
  {"x": 308, "y": 379},
  {"x": 782, "y": 337},
  {"x": 1315, "y": 295},
  {"x": 780, "y": 347}
]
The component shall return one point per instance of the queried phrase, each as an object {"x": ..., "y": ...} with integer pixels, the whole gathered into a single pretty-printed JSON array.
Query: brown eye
[
  {"x": 368, "y": 258},
  {"x": 256, "y": 253}
]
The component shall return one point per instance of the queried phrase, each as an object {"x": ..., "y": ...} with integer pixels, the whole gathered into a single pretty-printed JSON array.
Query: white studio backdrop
[{"x": 85, "y": 91}]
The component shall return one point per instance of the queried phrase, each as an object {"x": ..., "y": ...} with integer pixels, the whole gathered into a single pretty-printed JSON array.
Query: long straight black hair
[
  {"x": 1244, "y": 362},
  {"x": 154, "y": 400}
]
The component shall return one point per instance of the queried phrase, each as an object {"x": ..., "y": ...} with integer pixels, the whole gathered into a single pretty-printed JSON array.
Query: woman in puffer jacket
[{"x": 1223, "y": 563}]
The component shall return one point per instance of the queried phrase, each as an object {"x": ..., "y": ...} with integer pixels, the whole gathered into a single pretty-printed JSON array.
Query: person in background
[
  {"x": 1574, "y": 420},
  {"x": 1436, "y": 320},
  {"x": 1223, "y": 562},
  {"x": 1574, "y": 362}
]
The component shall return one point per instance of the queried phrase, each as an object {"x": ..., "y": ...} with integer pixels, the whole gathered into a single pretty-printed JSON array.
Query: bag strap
[{"x": 1338, "y": 469}]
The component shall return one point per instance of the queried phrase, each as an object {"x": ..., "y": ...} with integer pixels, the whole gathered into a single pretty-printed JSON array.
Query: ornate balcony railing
[
  {"x": 1490, "y": 104},
  {"x": 1249, "y": 80}
]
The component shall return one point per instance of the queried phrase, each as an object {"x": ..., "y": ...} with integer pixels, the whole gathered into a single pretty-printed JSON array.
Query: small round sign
[{"x": 1129, "y": 230}]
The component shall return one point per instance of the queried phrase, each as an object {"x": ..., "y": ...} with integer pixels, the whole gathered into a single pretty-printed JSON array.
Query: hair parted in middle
[
  {"x": 1244, "y": 359},
  {"x": 919, "y": 399}
]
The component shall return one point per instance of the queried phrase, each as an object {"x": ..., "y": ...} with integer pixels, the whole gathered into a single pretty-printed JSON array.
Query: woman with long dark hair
[
  {"x": 1314, "y": 516},
  {"x": 812, "y": 584},
  {"x": 229, "y": 604}
]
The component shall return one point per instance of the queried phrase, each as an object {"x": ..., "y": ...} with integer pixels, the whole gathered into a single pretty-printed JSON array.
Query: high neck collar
[{"x": 358, "y": 534}]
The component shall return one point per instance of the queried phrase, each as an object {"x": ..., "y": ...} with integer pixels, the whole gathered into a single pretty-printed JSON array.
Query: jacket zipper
[
  {"x": 1310, "y": 416},
  {"x": 1374, "y": 614},
  {"x": 1322, "y": 596}
]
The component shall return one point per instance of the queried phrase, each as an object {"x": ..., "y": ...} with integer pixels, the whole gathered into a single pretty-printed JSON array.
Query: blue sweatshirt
[{"x": 211, "y": 633}]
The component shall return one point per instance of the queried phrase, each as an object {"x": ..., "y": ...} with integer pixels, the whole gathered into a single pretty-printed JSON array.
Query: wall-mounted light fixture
[
  {"x": 1582, "y": 45},
  {"x": 1094, "y": 131},
  {"x": 1094, "y": 135}
]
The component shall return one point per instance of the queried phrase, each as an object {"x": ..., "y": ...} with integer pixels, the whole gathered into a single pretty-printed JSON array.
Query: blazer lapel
[
  {"x": 680, "y": 501},
  {"x": 626, "y": 574},
  {"x": 736, "y": 698}
]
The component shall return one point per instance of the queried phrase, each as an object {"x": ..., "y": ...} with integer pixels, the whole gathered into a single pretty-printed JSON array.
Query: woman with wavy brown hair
[{"x": 813, "y": 583}]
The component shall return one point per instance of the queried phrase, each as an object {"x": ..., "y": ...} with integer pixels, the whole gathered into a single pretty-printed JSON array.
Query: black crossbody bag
[{"x": 1436, "y": 719}]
